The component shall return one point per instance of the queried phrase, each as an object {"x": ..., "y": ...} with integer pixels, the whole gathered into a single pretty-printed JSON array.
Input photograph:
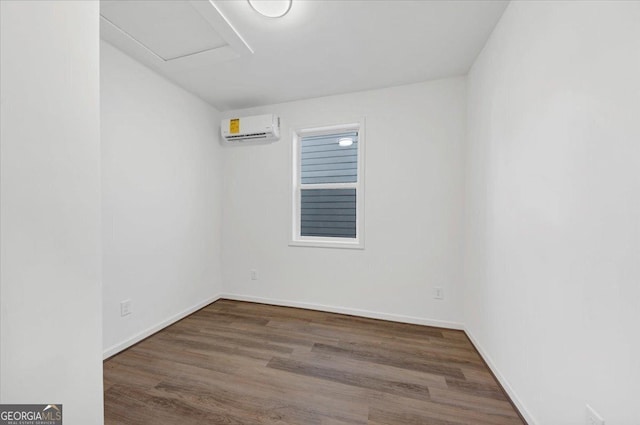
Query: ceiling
[{"x": 232, "y": 57}]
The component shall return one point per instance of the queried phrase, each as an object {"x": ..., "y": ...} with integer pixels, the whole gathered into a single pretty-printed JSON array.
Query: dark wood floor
[{"x": 243, "y": 363}]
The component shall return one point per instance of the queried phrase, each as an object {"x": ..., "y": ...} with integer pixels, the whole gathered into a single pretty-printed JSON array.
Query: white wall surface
[
  {"x": 553, "y": 189},
  {"x": 50, "y": 350},
  {"x": 161, "y": 187},
  {"x": 413, "y": 212}
]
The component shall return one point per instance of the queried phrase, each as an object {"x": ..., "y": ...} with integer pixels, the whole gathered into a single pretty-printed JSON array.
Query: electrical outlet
[
  {"x": 254, "y": 275},
  {"x": 125, "y": 307},
  {"x": 438, "y": 293},
  {"x": 592, "y": 417}
]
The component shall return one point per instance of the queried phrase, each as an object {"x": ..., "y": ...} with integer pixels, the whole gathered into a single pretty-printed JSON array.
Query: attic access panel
[{"x": 170, "y": 34}]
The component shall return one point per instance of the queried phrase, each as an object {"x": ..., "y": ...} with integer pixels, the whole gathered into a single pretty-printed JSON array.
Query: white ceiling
[{"x": 234, "y": 58}]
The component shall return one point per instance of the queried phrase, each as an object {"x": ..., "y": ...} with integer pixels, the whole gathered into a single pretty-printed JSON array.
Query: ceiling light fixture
[
  {"x": 271, "y": 8},
  {"x": 345, "y": 141}
]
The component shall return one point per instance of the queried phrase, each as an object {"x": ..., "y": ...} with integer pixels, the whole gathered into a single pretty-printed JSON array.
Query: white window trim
[{"x": 326, "y": 242}]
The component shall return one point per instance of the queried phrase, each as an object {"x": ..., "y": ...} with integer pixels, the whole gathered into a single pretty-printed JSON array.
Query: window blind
[
  {"x": 323, "y": 160},
  {"x": 328, "y": 213}
]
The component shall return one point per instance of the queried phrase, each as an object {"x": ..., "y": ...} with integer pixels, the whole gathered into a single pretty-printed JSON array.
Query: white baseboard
[
  {"x": 346, "y": 310},
  {"x": 115, "y": 349},
  {"x": 503, "y": 381}
]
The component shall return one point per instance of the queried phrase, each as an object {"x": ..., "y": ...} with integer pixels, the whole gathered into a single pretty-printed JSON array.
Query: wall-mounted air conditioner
[{"x": 258, "y": 128}]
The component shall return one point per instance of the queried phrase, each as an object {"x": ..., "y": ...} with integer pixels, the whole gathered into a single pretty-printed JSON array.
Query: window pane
[
  {"x": 328, "y": 213},
  {"x": 323, "y": 160}
]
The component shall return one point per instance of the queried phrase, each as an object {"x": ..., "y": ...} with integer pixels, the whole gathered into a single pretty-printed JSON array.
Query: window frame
[{"x": 296, "y": 187}]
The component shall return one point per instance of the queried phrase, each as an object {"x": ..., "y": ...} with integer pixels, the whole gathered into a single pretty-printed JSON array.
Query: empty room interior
[{"x": 320, "y": 212}]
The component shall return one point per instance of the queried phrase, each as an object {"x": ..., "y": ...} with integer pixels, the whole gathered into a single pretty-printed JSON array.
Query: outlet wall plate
[
  {"x": 438, "y": 293},
  {"x": 125, "y": 308}
]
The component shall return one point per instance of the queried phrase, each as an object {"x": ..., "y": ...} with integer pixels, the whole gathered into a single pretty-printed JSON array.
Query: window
[{"x": 328, "y": 195}]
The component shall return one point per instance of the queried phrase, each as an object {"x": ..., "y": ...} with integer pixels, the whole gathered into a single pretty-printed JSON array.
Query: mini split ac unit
[{"x": 265, "y": 128}]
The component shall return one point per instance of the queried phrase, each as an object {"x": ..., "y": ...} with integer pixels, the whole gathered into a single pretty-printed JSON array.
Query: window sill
[{"x": 327, "y": 244}]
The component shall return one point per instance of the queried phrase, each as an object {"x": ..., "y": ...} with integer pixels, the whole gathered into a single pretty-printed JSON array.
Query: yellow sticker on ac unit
[{"x": 234, "y": 125}]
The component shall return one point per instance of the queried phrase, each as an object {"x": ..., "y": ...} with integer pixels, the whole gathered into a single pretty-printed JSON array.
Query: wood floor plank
[
  {"x": 473, "y": 403},
  {"x": 486, "y": 390},
  {"x": 244, "y": 363},
  {"x": 391, "y": 417},
  {"x": 379, "y": 371},
  {"x": 263, "y": 404},
  {"x": 432, "y": 411},
  {"x": 384, "y": 359},
  {"x": 420, "y": 392}
]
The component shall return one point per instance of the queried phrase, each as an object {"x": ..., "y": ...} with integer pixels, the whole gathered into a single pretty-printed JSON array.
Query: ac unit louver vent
[{"x": 254, "y": 128}]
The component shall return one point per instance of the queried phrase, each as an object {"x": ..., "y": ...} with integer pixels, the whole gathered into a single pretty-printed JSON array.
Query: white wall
[
  {"x": 161, "y": 187},
  {"x": 413, "y": 211},
  {"x": 553, "y": 190},
  {"x": 50, "y": 207}
]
